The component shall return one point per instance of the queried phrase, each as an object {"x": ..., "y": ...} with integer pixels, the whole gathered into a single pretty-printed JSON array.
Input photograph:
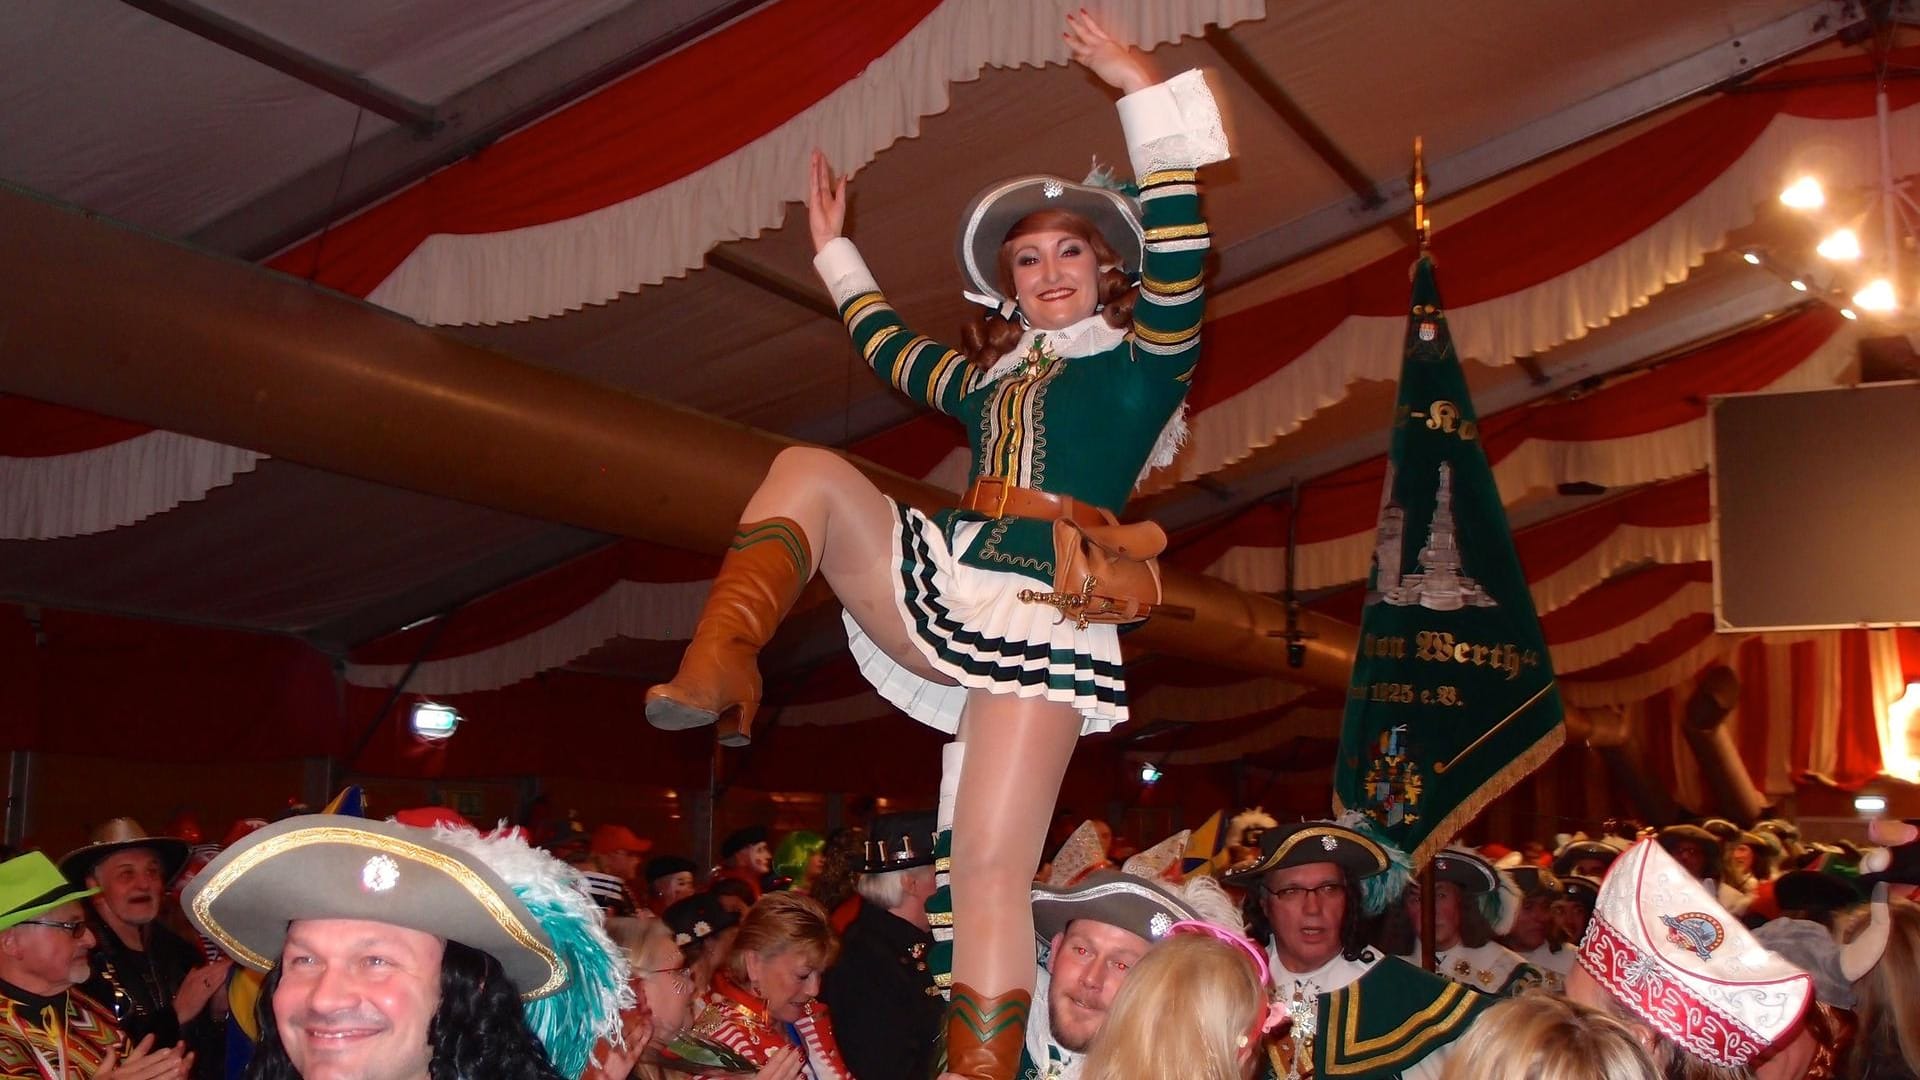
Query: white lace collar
[{"x": 1088, "y": 336}]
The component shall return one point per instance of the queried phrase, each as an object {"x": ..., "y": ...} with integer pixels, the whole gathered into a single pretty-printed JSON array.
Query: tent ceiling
[{"x": 132, "y": 117}]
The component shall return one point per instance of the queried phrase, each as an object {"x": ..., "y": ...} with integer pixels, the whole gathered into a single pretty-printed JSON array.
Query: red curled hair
[{"x": 986, "y": 339}]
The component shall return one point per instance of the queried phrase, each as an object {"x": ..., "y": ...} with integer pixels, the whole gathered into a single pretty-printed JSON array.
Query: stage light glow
[
  {"x": 1870, "y": 804},
  {"x": 1848, "y": 313},
  {"x": 1804, "y": 194},
  {"x": 1149, "y": 774},
  {"x": 1840, "y": 245},
  {"x": 1752, "y": 257},
  {"x": 1798, "y": 285},
  {"x": 1878, "y": 295}
]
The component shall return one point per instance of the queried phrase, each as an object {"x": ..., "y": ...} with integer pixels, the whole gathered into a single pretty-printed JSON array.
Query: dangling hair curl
[{"x": 986, "y": 339}]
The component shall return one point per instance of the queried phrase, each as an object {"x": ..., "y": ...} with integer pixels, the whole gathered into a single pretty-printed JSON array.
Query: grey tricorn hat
[
  {"x": 326, "y": 866},
  {"x": 1138, "y": 905},
  {"x": 1532, "y": 880},
  {"x": 993, "y": 213}
]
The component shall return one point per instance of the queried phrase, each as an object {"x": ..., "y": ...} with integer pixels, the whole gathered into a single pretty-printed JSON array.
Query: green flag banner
[{"x": 1453, "y": 698}]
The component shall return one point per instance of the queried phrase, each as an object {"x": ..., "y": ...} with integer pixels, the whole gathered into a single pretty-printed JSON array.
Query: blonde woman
[
  {"x": 1194, "y": 1009},
  {"x": 1888, "y": 998},
  {"x": 664, "y": 999},
  {"x": 764, "y": 1003},
  {"x": 1542, "y": 1036}
]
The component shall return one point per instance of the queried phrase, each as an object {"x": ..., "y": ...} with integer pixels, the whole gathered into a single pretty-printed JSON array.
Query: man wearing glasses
[
  {"x": 48, "y": 1029},
  {"x": 1308, "y": 890}
]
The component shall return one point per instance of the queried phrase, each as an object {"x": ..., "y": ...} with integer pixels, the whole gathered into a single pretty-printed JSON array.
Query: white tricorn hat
[{"x": 1667, "y": 951}]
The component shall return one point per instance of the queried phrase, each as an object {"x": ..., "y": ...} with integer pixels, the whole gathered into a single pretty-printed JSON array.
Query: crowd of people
[{"x": 325, "y": 944}]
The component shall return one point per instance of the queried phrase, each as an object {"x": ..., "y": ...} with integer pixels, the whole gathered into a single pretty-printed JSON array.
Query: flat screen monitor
[{"x": 1816, "y": 508}]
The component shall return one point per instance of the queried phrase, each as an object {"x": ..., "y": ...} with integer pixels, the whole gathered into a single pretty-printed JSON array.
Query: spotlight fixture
[
  {"x": 1804, "y": 194},
  {"x": 1798, "y": 285},
  {"x": 1870, "y": 804},
  {"x": 430, "y": 720},
  {"x": 1149, "y": 773},
  {"x": 1752, "y": 257},
  {"x": 1840, "y": 245},
  {"x": 1849, "y": 314}
]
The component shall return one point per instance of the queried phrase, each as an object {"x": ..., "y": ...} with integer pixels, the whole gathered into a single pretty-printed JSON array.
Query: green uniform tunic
[{"x": 1077, "y": 412}]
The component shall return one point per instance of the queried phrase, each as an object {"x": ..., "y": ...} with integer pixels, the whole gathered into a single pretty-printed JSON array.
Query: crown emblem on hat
[
  {"x": 1696, "y": 931},
  {"x": 379, "y": 874}
]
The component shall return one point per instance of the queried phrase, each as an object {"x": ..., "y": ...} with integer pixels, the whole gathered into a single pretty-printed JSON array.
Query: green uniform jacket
[{"x": 1083, "y": 426}]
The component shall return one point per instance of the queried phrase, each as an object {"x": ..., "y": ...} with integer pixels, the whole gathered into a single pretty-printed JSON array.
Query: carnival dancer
[
  {"x": 408, "y": 953},
  {"x": 1313, "y": 882},
  {"x": 52, "y": 1030},
  {"x": 1070, "y": 388}
]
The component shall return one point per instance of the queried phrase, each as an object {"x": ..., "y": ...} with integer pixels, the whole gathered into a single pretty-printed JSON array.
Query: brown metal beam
[
  {"x": 237, "y": 37},
  {"x": 739, "y": 266},
  {"x": 1281, "y": 103},
  {"x": 101, "y": 317}
]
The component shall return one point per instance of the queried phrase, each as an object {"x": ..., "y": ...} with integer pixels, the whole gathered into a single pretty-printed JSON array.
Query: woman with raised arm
[{"x": 1070, "y": 386}]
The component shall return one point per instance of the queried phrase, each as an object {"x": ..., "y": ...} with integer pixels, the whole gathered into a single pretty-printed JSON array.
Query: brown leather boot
[
  {"x": 986, "y": 1034},
  {"x": 719, "y": 676}
]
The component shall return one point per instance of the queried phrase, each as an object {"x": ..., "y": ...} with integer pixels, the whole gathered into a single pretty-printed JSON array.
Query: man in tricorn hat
[
  {"x": 1096, "y": 929},
  {"x": 151, "y": 978},
  {"x": 401, "y": 953},
  {"x": 1310, "y": 887},
  {"x": 51, "y": 1029},
  {"x": 885, "y": 1007}
]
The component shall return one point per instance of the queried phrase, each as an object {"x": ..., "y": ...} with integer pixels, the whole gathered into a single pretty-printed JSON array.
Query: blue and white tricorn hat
[
  {"x": 489, "y": 891},
  {"x": 993, "y": 213}
]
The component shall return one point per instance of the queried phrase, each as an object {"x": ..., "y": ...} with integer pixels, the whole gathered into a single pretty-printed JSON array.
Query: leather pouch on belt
[{"x": 1104, "y": 573}]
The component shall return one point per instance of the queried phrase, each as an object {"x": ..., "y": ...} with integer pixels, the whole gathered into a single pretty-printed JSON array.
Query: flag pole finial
[{"x": 1421, "y": 226}]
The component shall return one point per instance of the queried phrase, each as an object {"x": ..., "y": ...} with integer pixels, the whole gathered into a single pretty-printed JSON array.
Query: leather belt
[{"x": 993, "y": 495}]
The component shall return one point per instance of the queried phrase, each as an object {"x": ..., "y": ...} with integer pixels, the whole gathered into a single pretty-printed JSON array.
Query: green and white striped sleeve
[
  {"x": 914, "y": 364},
  {"x": 1172, "y": 129}
]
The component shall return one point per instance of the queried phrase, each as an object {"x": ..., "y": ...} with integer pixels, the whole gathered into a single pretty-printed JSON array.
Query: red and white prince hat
[{"x": 1667, "y": 951}]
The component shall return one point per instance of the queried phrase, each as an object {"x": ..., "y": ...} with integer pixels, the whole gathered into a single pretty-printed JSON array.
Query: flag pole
[{"x": 1429, "y": 955}]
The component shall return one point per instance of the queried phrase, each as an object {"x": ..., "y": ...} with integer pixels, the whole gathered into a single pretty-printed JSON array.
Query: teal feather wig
[
  {"x": 572, "y": 1020},
  {"x": 1382, "y": 890}
]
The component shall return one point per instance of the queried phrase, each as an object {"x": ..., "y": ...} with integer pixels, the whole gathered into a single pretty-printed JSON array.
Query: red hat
[
  {"x": 427, "y": 817},
  {"x": 608, "y": 839},
  {"x": 242, "y": 827}
]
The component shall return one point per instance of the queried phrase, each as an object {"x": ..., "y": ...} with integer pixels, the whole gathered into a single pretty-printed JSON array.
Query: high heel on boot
[{"x": 719, "y": 678}]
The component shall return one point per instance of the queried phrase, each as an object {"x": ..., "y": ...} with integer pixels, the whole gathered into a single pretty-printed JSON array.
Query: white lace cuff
[
  {"x": 1173, "y": 125},
  {"x": 839, "y": 265}
]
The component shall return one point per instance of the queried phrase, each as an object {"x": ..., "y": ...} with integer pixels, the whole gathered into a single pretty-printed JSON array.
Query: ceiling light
[
  {"x": 1752, "y": 257},
  {"x": 1149, "y": 774},
  {"x": 1798, "y": 285},
  {"x": 1870, "y": 804},
  {"x": 434, "y": 721},
  {"x": 1877, "y": 296},
  {"x": 1849, "y": 313},
  {"x": 1841, "y": 245},
  {"x": 1804, "y": 194}
]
